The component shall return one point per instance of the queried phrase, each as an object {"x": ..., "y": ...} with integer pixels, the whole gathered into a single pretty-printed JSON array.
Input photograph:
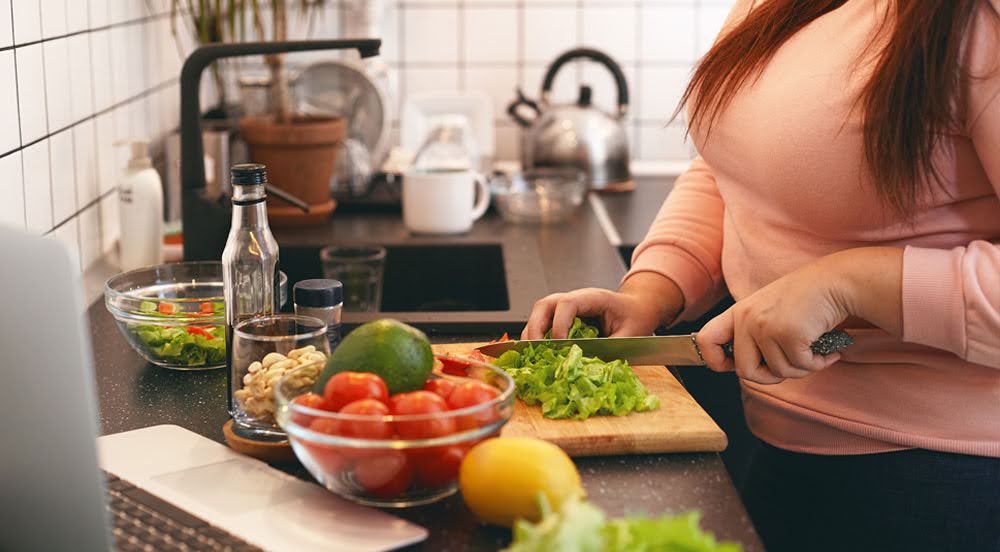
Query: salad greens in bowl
[{"x": 173, "y": 315}]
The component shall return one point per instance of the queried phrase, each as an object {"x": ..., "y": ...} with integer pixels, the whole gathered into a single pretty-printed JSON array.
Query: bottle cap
[
  {"x": 139, "y": 158},
  {"x": 248, "y": 174},
  {"x": 318, "y": 293}
]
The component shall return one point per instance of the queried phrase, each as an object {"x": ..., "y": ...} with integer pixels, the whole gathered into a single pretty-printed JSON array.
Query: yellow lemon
[{"x": 501, "y": 478}]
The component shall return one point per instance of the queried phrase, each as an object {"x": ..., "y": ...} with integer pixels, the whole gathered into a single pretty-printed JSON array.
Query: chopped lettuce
[
  {"x": 579, "y": 330},
  {"x": 178, "y": 346},
  {"x": 579, "y": 526},
  {"x": 569, "y": 385}
]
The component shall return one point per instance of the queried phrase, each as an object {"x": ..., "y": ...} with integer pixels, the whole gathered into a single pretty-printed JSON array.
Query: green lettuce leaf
[
  {"x": 567, "y": 384},
  {"x": 579, "y": 526},
  {"x": 177, "y": 346}
]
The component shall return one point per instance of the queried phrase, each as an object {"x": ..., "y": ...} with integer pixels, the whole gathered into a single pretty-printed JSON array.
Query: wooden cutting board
[{"x": 679, "y": 425}]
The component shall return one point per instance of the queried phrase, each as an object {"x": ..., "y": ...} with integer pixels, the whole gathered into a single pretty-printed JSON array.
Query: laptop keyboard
[{"x": 143, "y": 521}]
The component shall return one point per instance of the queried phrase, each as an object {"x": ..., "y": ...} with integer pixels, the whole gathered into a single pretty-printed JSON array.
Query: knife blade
[{"x": 669, "y": 350}]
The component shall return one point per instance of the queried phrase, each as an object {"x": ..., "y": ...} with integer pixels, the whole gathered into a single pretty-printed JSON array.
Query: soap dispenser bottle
[{"x": 140, "y": 210}]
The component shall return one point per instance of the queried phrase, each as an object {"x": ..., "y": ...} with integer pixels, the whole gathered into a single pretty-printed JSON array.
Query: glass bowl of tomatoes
[{"x": 397, "y": 450}]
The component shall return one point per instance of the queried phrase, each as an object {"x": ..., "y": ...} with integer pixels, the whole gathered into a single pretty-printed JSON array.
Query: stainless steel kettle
[{"x": 578, "y": 134}]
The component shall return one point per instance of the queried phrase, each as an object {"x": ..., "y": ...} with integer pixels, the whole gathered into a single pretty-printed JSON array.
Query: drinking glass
[
  {"x": 301, "y": 340},
  {"x": 359, "y": 269}
]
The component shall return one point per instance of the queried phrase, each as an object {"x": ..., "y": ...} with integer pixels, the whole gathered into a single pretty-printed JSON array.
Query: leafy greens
[
  {"x": 179, "y": 346},
  {"x": 569, "y": 385},
  {"x": 579, "y": 526}
]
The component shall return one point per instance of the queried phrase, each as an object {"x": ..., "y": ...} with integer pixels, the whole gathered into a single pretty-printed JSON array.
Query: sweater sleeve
[
  {"x": 951, "y": 298},
  {"x": 685, "y": 241}
]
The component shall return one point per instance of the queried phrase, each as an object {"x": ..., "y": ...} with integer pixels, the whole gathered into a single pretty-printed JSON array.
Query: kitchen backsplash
[
  {"x": 75, "y": 76},
  {"x": 493, "y": 46},
  {"x": 78, "y": 75}
]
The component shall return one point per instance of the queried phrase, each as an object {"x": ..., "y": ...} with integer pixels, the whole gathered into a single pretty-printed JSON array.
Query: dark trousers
[{"x": 913, "y": 500}]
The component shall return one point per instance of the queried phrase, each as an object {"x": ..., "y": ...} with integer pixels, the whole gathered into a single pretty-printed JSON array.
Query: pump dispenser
[{"x": 140, "y": 209}]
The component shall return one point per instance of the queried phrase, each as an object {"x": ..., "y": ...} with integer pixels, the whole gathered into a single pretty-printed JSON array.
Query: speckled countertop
[{"x": 134, "y": 394}]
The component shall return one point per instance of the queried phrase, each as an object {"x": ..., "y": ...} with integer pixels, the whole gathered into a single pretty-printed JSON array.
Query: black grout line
[
  {"x": 80, "y": 211},
  {"x": 82, "y": 31},
  {"x": 149, "y": 91},
  {"x": 95, "y": 171},
  {"x": 72, "y": 138},
  {"x": 48, "y": 145}
]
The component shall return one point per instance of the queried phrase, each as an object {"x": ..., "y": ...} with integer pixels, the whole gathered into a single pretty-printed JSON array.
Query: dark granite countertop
[{"x": 134, "y": 394}]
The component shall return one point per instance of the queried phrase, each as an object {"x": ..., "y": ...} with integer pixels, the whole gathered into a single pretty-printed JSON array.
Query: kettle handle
[
  {"x": 522, "y": 100},
  {"x": 594, "y": 55}
]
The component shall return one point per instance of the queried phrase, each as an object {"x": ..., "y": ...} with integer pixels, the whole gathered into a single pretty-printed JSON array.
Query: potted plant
[{"x": 299, "y": 150}]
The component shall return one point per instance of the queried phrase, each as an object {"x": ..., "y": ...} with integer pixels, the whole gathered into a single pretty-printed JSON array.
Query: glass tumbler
[
  {"x": 359, "y": 268},
  {"x": 265, "y": 348}
]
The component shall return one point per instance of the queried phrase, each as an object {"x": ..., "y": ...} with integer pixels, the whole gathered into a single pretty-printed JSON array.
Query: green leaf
[
  {"x": 569, "y": 385},
  {"x": 579, "y": 526}
]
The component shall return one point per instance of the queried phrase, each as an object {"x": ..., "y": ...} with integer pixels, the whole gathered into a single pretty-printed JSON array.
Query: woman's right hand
[{"x": 645, "y": 302}]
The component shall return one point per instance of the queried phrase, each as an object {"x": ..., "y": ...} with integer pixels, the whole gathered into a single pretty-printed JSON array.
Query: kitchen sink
[{"x": 429, "y": 285}]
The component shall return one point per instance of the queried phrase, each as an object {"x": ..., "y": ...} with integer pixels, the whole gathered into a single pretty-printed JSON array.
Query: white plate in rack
[{"x": 419, "y": 111}]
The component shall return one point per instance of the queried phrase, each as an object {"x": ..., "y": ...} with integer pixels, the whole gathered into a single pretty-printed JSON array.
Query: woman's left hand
[{"x": 778, "y": 323}]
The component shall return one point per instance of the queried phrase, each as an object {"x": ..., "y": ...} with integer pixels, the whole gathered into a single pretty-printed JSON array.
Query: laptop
[{"x": 156, "y": 488}]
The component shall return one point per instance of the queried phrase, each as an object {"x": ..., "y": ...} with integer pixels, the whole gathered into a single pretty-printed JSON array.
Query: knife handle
[{"x": 828, "y": 343}]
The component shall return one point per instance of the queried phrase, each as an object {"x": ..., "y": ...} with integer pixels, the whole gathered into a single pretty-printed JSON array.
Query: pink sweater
[{"x": 779, "y": 183}]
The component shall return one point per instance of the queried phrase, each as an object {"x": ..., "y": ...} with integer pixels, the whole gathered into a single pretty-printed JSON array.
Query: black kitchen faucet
[{"x": 206, "y": 220}]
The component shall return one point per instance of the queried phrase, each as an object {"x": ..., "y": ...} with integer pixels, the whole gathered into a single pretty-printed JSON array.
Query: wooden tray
[{"x": 679, "y": 425}]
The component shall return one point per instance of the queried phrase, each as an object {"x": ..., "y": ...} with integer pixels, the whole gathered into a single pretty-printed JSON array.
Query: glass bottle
[{"x": 249, "y": 266}]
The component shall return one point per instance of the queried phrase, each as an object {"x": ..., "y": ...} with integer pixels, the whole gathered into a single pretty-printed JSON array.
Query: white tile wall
[
  {"x": 491, "y": 45},
  {"x": 10, "y": 137},
  {"x": 76, "y": 75},
  {"x": 12, "y": 191},
  {"x": 63, "y": 176},
  {"x": 37, "y": 187},
  {"x": 27, "y": 21},
  {"x": 55, "y": 56},
  {"x": 31, "y": 92},
  {"x": 6, "y": 30},
  {"x": 65, "y": 79},
  {"x": 490, "y": 35},
  {"x": 425, "y": 39}
]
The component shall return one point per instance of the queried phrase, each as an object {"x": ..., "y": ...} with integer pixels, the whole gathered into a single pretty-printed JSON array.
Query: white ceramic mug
[{"x": 443, "y": 201}]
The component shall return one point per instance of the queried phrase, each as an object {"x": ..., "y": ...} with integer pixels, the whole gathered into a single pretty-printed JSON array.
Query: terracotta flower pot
[{"x": 300, "y": 158}]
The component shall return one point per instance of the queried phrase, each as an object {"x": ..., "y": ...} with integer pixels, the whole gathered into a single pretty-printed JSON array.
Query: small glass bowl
[
  {"x": 171, "y": 314},
  {"x": 396, "y": 472},
  {"x": 265, "y": 349},
  {"x": 167, "y": 335},
  {"x": 539, "y": 196}
]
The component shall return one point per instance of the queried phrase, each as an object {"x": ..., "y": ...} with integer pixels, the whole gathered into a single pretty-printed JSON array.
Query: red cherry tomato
[
  {"x": 387, "y": 474},
  {"x": 454, "y": 366},
  {"x": 375, "y": 428},
  {"x": 437, "y": 467},
  {"x": 422, "y": 402},
  {"x": 440, "y": 387},
  {"x": 206, "y": 308},
  {"x": 308, "y": 400},
  {"x": 330, "y": 459},
  {"x": 166, "y": 308},
  {"x": 472, "y": 393},
  {"x": 347, "y": 387}
]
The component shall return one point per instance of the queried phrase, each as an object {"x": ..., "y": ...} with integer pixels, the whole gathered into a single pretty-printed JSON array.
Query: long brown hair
[{"x": 906, "y": 105}]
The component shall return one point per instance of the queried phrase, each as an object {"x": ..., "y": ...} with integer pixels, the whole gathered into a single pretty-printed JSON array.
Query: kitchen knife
[{"x": 670, "y": 350}]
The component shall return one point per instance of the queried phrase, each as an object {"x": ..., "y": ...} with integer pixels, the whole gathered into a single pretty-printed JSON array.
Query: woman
[{"x": 849, "y": 177}]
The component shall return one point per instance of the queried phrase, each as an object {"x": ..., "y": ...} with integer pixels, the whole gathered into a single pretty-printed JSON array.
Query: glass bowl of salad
[
  {"x": 173, "y": 315},
  {"x": 395, "y": 450}
]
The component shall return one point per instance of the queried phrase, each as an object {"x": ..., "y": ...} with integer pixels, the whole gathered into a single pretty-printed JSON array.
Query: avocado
[{"x": 398, "y": 353}]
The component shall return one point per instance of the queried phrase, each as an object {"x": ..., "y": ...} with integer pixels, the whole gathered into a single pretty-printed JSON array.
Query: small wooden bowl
[{"x": 272, "y": 452}]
